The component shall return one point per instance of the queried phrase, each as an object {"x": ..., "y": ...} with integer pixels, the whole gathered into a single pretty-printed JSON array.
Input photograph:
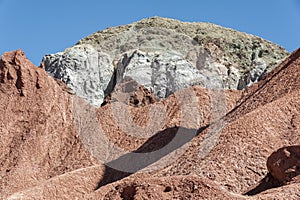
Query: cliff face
[
  {"x": 163, "y": 55},
  {"x": 167, "y": 129}
]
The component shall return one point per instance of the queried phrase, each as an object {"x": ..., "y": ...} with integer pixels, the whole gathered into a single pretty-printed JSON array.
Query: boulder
[{"x": 284, "y": 164}]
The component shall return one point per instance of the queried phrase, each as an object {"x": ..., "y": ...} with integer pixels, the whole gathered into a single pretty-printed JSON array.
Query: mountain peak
[{"x": 234, "y": 59}]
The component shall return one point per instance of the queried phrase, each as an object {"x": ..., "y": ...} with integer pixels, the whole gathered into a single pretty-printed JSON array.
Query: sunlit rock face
[{"x": 164, "y": 55}]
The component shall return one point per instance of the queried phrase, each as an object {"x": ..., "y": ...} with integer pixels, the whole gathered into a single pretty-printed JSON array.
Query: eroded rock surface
[
  {"x": 87, "y": 72},
  {"x": 39, "y": 140},
  {"x": 164, "y": 55},
  {"x": 46, "y": 155},
  {"x": 166, "y": 129},
  {"x": 284, "y": 164}
]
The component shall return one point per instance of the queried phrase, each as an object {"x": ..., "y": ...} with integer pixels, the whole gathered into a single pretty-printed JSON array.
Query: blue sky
[{"x": 40, "y": 27}]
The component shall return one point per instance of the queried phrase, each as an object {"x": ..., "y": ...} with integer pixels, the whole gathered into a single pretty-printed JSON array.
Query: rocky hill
[
  {"x": 134, "y": 113},
  {"x": 157, "y": 51}
]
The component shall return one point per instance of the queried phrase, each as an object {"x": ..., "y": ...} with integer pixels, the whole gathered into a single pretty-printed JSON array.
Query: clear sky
[{"x": 40, "y": 27}]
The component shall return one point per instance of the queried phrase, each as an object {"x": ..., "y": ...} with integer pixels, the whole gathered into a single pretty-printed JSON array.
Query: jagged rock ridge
[{"x": 164, "y": 55}]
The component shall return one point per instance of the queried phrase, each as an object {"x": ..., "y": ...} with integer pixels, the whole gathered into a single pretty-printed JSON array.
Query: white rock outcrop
[
  {"x": 86, "y": 71},
  {"x": 164, "y": 55},
  {"x": 166, "y": 72}
]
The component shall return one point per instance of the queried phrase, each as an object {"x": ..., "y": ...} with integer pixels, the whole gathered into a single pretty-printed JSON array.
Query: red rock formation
[
  {"x": 284, "y": 164},
  {"x": 38, "y": 137},
  {"x": 44, "y": 154}
]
